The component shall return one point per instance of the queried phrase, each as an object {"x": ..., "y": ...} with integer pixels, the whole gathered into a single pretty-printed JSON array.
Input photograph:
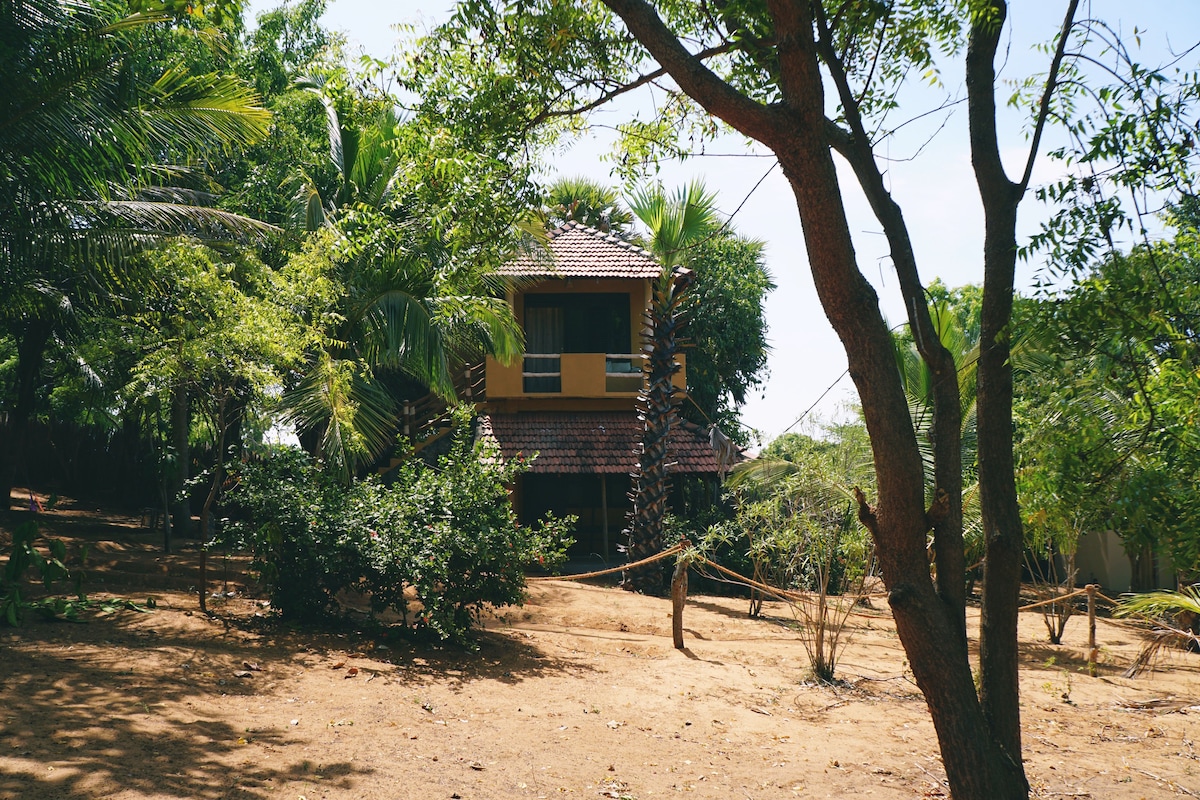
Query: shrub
[
  {"x": 299, "y": 525},
  {"x": 799, "y": 522},
  {"x": 48, "y": 568},
  {"x": 447, "y": 535}
]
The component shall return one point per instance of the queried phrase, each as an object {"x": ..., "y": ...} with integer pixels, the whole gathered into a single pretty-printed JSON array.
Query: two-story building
[{"x": 572, "y": 399}]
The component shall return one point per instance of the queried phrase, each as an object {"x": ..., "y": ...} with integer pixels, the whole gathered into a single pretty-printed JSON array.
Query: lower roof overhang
[{"x": 589, "y": 443}]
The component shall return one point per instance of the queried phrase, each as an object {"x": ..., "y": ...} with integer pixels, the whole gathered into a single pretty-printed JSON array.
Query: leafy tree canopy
[{"x": 1108, "y": 417}]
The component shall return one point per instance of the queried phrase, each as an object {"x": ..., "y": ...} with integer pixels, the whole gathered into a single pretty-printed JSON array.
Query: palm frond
[
  {"x": 316, "y": 83},
  {"x": 375, "y": 160},
  {"x": 1158, "y": 604},
  {"x": 763, "y": 472},
  {"x": 182, "y": 107},
  {"x": 588, "y": 202},
  {"x": 1183, "y": 605},
  {"x": 161, "y": 219},
  {"x": 675, "y": 222},
  {"x": 354, "y": 413}
]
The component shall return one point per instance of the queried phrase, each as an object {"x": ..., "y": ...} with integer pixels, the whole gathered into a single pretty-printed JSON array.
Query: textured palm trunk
[
  {"x": 31, "y": 355},
  {"x": 181, "y": 425},
  {"x": 657, "y": 410}
]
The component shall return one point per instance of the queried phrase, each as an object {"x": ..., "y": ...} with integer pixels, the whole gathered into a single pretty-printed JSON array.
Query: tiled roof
[
  {"x": 591, "y": 442},
  {"x": 577, "y": 251}
]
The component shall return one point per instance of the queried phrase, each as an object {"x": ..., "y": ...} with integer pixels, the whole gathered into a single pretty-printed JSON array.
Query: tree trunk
[
  {"x": 999, "y": 689},
  {"x": 794, "y": 127},
  {"x": 181, "y": 425},
  {"x": 651, "y": 483},
  {"x": 222, "y": 423},
  {"x": 974, "y": 765},
  {"x": 31, "y": 355},
  {"x": 945, "y": 513}
]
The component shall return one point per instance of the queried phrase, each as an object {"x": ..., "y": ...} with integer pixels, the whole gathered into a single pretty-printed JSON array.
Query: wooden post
[
  {"x": 1091, "y": 596},
  {"x": 678, "y": 596}
]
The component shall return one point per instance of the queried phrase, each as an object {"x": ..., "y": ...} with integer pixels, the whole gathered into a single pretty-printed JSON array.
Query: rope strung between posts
[
  {"x": 1053, "y": 600},
  {"x": 670, "y": 551},
  {"x": 1076, "y": 593},
  {"x": 782, "y": 594}
]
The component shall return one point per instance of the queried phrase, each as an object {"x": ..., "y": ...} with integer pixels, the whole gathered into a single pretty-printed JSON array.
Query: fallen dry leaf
[{"x": 350, "y": 673}]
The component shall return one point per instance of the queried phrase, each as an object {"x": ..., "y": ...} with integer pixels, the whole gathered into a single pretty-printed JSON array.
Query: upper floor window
[{"x": 571, "y": 323}]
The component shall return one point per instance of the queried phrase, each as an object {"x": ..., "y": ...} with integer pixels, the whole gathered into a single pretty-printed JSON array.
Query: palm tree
[
  {"x": 365, "y": 159},
  {"x": 589, "y": 202},
  {"x": 674, "y": 222},
  {"x": 403, "y": 307},
  {"x": 918, "y": 380},
  {"x": 407, "y": 304},
  {"x": 83, "y": 135},
  {"x": 1182, "y": 608}
]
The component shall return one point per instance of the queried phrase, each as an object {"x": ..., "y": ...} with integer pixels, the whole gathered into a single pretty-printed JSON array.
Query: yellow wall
[{"x": 503, "y": 381}]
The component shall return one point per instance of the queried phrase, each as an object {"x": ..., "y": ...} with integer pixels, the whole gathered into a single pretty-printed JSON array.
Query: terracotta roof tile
[
  {"x": 578, "y": 251},
  {"x": 590, "y": 442}
]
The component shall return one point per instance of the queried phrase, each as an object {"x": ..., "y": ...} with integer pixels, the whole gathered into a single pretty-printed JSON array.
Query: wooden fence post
[
  {"x": 678, "y": 596},
  {"x": 1091, "y": 596}
]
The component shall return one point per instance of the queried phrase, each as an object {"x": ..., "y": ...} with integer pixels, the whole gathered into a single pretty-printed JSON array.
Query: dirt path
[{"x": 577, "y": 694}]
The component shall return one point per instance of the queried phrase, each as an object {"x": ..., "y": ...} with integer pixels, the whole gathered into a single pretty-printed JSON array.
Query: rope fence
[
  {"x": 679, "y": 592},
  {"x": 1058, "y": 599},
  {"x": 670, "y": 551}
]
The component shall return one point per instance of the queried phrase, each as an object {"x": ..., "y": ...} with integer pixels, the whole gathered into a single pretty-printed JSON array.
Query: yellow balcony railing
[{"x": 570, "y": 375}]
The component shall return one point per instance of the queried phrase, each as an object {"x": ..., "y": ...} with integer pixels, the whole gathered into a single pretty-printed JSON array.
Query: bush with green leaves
[
  {"x": 433, "y": 546},
  {"x": 299, "y": 524},
  {"x": 49, "y": 568},
  {"x": 797, "y": 515}
]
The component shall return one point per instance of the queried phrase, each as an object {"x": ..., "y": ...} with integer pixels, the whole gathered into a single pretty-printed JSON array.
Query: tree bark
[
  {"x": 945, "y": 514},
  {"x": 651, "y": 482},
  {"x": 31, "y": 355},
  {"x": 999, "y": 690},
  {"x": 181, "y": 426},
  {"x": 796, "y": 130},
  {"x": 222, "y": 423}
]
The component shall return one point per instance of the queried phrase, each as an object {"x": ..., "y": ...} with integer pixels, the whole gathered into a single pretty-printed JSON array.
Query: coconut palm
[
  {"x": 402, "y": 306},
  {"x": 83, "y": 183},
  {"x": 674, "y": 222}
]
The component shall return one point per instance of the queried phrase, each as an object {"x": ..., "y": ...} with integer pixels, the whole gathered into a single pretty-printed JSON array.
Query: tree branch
[
  {"x": 947, "y": 408},
  {"x": 639, "y": 82},
  {"x": 981, "y": 105},
  {"x": 747, "y": 116},
  {"x": 1048, "y": 94}
]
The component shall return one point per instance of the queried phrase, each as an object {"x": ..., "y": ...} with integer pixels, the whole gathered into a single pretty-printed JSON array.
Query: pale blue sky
[{"x": 935, "y": 187}]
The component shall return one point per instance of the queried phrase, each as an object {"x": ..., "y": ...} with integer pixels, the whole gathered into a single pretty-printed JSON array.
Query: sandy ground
[{"x": 579, "y": 693}]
